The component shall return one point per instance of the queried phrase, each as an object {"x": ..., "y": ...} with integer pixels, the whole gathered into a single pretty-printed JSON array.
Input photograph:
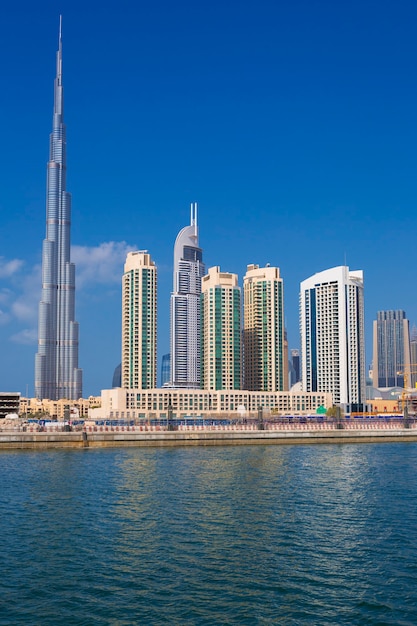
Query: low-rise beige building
[
  {"x": 58, "y": 409},
  {"x": 155, "y": 403}
]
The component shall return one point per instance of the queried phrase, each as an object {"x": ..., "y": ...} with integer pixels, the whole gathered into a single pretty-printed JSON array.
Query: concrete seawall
[{"x": 48, "y": 440}]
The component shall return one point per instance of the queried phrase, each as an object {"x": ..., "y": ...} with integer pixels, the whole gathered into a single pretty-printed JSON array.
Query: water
[{"x": 210, "y": 535}]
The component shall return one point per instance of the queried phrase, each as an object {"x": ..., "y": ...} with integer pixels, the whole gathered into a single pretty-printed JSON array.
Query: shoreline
[{"x": 205, "y": 437}]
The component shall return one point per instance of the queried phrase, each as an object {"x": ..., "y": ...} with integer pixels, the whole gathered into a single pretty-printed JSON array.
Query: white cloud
[
  {"x": 25, "y": 308},
  {"x": 4, "y": 318},
  {"x": 5, "y": 296},
  {"x": 97, "y": 266},
  {"x": 8, "y": 268},
  {"x": 102, "y": 264},
  {"x": 25, "y": 305},
  {"x": 27, "y": 336}
]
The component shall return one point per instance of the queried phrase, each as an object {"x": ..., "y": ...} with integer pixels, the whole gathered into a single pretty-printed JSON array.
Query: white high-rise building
[
  {"x": 139, "y": 304},
  {"x": 221, "y": 342},
  {"x": 185, "y": 307},
  {"x": 332, "y": 335},
  {"x": 263, "y": 329}
]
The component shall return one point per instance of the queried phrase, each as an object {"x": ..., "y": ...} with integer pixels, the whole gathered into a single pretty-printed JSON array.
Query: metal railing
[{"x": 259, "y": 422}]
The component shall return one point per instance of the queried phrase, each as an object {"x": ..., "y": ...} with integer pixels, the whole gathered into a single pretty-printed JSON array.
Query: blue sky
[{"x": 292, "y": 124}]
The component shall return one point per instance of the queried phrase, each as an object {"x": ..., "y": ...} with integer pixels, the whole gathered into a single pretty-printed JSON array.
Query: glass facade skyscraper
[
  {"x": 56, "y": 363},
  {"x": 391, "y": 350},
  {"x": 295, "y": 362},
  {"x": 413, "y": 356},
  {"x": 165, "y": 369},
  {"x": 185, "y": 307}
]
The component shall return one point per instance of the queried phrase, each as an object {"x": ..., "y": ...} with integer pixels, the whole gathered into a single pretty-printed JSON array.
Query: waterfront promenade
[{"x": 56, "y": 436}]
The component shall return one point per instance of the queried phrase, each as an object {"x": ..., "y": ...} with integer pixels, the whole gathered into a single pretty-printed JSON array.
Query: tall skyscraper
[
  {"x": 117, "y": 376},
  {"x": 56, "y": 363},
  {"x": 332, "y": 335},
  {"x": 286, "y": 363},
  {"x": 295, "y": 362},
  {"x": 413, "y": 356},
  {"x": 391, "y": 350},
  {"x": 263, "y": 330},
  {"x": 165, "y": 370},
  {"x": 139, "y": 302},
  {"x": 221, "y": 331},
  {"x": 185, "y": 307}
]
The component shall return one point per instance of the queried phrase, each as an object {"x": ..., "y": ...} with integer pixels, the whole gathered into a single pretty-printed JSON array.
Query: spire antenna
[
  {"x": 193, "y": 207},
  {"x": 59, "y": 58}
]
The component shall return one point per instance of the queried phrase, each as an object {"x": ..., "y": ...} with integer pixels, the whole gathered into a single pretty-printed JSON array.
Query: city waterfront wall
[{"x": 209, "y": 436}]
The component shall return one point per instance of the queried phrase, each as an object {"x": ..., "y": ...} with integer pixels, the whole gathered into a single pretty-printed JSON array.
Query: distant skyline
[{"x": 292, "y": 125}]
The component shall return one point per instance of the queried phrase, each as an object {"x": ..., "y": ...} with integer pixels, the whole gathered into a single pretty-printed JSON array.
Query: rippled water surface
[{"x": 210, "y": 535}]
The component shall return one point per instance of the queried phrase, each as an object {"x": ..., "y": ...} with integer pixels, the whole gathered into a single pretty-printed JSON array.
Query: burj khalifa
[{"x": 56, "y": 363}]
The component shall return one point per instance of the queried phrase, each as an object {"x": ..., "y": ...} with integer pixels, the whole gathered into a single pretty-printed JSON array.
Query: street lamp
[
  {"x": 261, "y": 424},
  {"x": 170, "y": 423},
  {"x": 338, "y": 415},
  {"x": 405, "y": 411}
]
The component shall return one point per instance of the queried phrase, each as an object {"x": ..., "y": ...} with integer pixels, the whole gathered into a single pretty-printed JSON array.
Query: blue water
[{"x": 210, "y": 535}]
